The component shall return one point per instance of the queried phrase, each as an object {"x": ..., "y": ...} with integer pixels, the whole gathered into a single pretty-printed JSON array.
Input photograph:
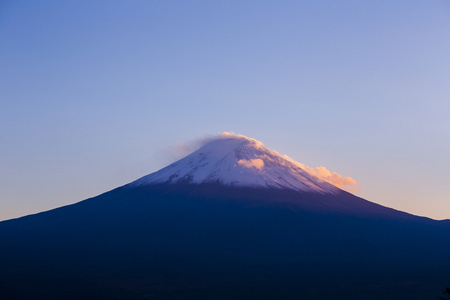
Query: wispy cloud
[{"x": 181, "y": 149}]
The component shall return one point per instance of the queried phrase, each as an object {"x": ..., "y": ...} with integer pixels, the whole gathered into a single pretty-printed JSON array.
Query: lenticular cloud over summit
[{"x": 181, "y": 149}]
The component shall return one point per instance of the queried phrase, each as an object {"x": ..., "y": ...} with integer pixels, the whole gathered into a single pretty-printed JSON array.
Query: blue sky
[{"x": 94, "y": 94}]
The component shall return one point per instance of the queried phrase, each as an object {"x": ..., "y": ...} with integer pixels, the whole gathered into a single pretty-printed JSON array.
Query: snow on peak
[{"x": 237, "y": 160}]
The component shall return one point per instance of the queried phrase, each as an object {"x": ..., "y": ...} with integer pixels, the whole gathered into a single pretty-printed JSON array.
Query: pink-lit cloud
[
  {"x": 345, "y": 183},
  {"x": 225, "y": 135},
  {"x": 248, "y": 163}
]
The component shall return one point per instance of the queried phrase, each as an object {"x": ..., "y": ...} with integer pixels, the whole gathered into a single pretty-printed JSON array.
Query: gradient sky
[{"x": 94, "y": 94}]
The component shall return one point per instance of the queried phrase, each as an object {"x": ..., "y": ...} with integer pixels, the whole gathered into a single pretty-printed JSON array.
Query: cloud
[
  {"x": 181, "y": 149},
  {"x": 231, "y": 134},
  {"x": 248, "y": 163},
  {"x": 323, "y": 172},
  {"x": 346, "y": 183}
]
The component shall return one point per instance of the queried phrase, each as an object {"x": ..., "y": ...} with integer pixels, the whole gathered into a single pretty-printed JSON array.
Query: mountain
[
  {"x": 238, "y": 161},
  {"x": 232, "y": 220}
]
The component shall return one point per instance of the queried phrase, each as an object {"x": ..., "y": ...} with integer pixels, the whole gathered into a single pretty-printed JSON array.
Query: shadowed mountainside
[{"x": 208, "y": 241}]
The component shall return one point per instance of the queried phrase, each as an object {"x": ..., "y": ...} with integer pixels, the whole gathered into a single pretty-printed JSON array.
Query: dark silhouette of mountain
[{"x": 187, "y": 237}]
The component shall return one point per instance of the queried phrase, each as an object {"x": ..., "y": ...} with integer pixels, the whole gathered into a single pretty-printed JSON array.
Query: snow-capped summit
[{"x": 237, "y": 160}]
